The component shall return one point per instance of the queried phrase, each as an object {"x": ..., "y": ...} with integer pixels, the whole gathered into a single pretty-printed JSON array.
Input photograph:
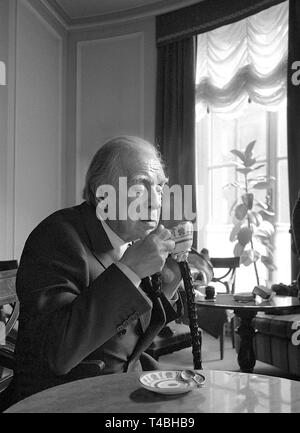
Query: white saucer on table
[{"x": 168, "y": 382}]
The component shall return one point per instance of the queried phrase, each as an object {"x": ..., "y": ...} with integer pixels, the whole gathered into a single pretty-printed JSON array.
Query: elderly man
[{"x": 83, "y": 280}]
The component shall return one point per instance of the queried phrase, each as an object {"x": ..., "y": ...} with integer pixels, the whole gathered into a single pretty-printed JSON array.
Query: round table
[
  {"x": 246, "y": 311},
  {"x": 223, "y": 392}
]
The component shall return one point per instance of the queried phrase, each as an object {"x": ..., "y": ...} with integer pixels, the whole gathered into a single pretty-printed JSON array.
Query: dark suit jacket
[{"x": 69, "y": 312}]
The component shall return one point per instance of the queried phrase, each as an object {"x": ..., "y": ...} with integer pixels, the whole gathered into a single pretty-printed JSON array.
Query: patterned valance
[{"x": 205, "y": 16}]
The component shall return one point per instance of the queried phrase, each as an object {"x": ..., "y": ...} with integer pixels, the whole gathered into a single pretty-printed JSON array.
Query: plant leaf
[
  {"x": 258, "y": 166},
  {"x": 249, "y": 162},
  {"x": 248, "y": 200},
  {"x": 265, "y": 229},
  {"x": 237, "y": 163},
  {"x": 249, "y": 256},
  {"x": 268, "y": 262},
  {"x": 234, "y": 184},
  {"x": 232, "y": 207},
  {"x": 234, "y": 231},
  {"x": 239, "y": 154},
  {"x": 261, "y": 204},
  {"x": 266, "y": 242},
  {"x": 270, "y": 248},
  {"x": 255, "y": 218},
  {"x": 237, "y": 184},
  {"x": 267, "y": 212},
  {"x": 262, "y": 185},
  {"x": 238, "y": 250},
  {"x": 240, "y": 211},
  {"x": 257, "y": 178},
  {"x": 244, "y": 235},
  {"x": 249, "y": 148}
]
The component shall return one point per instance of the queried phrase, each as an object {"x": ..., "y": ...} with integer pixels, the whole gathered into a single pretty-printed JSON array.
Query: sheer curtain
[{"x": 242, "y": 60}]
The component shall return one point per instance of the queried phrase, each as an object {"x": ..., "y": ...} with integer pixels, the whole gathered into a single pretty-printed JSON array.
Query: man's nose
[{"x": 155, "y": 199}]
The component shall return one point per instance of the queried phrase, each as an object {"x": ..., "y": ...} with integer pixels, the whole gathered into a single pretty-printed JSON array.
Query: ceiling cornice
[
  {"x": 57, "y": 15},
  {"x": 58, "y": 11},
  {"x": 154, "y": 9}
]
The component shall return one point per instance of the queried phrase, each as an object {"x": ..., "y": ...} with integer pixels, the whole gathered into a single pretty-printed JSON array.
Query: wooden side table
[{"x": 246, "y": 311}]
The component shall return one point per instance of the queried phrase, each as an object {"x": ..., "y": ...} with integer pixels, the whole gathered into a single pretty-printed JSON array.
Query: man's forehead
[{"x": 146, "y": 167}]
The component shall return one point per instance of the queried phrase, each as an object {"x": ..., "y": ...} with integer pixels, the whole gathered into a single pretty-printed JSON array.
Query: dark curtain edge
[
  {"x": 293, "y": 115},
  {"x": 169, "y": 93}
]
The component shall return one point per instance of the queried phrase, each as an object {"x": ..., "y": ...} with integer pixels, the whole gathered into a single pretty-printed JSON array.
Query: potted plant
[{"x": 253, "y": 227}]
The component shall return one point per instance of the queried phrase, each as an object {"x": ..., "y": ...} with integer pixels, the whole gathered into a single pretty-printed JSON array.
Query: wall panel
[
  {"x": 109, "y": 94},
  {"x": 112, "y": 89}
]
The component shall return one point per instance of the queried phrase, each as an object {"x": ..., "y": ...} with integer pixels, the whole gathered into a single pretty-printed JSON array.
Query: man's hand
[
  {"x": 148, "y": 256},
  {"x": 170, "y": 277}
]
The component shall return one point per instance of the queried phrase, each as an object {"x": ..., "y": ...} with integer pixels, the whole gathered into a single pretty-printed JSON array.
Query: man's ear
[{"x": 106, "y": 202}]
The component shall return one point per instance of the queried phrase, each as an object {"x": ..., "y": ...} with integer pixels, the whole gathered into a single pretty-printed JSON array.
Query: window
[
  {"x": 241, "y": 98},
  {"x": 215, "y": 169}
]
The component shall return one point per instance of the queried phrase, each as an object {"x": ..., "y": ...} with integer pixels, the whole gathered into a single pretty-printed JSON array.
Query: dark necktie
[{"x": 152, "y": 286}]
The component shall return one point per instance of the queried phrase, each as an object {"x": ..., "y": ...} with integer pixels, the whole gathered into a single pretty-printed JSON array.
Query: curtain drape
[
  {"x": 241, "y": 60},
  {"x": 293, "y": 112},
  {"x": 175, "y": 114}
]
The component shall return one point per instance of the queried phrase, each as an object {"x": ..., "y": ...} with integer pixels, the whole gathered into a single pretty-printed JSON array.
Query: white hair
[{"x": 106, "y": 165}]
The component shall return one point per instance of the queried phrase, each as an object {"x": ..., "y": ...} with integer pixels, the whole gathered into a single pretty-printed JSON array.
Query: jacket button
[{"x": 121, "y": 330}]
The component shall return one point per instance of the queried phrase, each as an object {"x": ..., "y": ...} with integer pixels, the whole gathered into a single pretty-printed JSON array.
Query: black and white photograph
[{"x": 150, "y": 209}]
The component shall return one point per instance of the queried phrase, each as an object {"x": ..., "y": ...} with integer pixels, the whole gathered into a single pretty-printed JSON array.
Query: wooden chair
[
  {"x": 173, "y": 337},
  {"x": 227, "y": 279},
  {"x": 8, "y": 265},
  {"x": 214, "y": 322},
  {"x": 9, "y": 317}
]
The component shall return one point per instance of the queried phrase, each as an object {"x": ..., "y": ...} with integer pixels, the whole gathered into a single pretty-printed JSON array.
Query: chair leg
[
  {"x": 232, "y": 332},
  {"x": 222, "y": 342}
]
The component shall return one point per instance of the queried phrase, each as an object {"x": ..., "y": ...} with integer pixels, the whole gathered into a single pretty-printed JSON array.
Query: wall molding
[
  {"x": 43, "y": 15},
  {"x": 43, "y": 9},
  {"x": 11, "y": 133}
]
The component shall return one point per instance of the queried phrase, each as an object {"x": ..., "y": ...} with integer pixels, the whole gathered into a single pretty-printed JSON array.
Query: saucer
[{"x": 168, "y": 382}]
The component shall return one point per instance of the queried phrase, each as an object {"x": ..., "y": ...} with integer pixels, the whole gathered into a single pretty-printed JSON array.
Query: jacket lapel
[
  {"x": 146, "y": 317},
  {"x": 145, "y": 320},
  {"x": 99, "y": 241}
]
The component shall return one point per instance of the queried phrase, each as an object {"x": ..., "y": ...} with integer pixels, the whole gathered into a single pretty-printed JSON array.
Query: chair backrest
[
  {"x": 7, "y": 265},
  {"x": 229, "y": 265},
  {"x": 200, "y": 266},
  {"x": 8, "y": 296}
]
